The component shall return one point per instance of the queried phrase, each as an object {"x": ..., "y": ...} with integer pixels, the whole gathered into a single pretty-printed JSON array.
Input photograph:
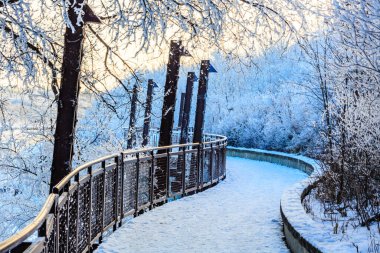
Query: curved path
[{"x": 241, "y": 214}]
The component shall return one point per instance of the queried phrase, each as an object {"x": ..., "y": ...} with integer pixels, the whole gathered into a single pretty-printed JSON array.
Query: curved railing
[{"x": 95, "y": 197}]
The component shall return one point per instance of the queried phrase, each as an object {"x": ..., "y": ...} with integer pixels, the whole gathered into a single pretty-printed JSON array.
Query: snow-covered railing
[{"x": 95, "y": 197}]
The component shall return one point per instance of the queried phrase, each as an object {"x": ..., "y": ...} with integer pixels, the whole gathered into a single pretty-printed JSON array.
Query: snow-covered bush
[{"x": 267, "y": 105}]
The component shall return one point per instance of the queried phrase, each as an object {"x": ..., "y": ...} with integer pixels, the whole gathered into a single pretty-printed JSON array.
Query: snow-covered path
[{"x": 241, "y": 214}]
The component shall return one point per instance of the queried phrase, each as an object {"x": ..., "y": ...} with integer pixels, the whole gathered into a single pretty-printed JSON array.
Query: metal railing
[
  {"x": 95, "y": 197},
  {"x": 154, "y": 134}
]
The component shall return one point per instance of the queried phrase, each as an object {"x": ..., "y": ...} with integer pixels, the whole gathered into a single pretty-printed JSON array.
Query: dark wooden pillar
[
  {"x": 131, "y": 142},
  {"x": 201, "y": 101},
  {"x": 148, "y": 111},
  {"x": 187, "y": 108},
  {"x": 171, "y": 84},
  {"x": 181, "y": 105},
  {"x": 69, "y": 92},
  {"x": 167, "y": 118},
  {"x": 184, "y": 136}
]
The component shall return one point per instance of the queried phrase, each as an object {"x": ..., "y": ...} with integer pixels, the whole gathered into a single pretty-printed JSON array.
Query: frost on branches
[
  {"x": 349, "y": 187},
  {"x": 32, "y": 46}
]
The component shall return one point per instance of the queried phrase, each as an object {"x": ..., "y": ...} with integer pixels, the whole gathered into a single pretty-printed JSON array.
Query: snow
[
  {"x": 319, "y": 234},
  {"x": 358, "y": 239},
  {"x": 241, "y": 214},
  {"x": 314, "y": 232}
]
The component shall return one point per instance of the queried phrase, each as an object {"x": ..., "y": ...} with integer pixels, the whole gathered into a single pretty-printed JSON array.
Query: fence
[
  {"x": 95, "y": 197},
  {"x": 154, "y": 135}
]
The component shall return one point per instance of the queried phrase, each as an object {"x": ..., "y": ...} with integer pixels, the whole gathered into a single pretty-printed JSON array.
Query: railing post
[
  {"x": 211, "y": 163},
  {"x": 67, "y": 189},
  {"x": 218, "y": 157},
  {"x": 76, "y": 179},
  {"x": 55, "y": 210},
  {"x": 184, "y": 172},
  {"x": 122, "y": 190},
  {"x": 103, "y": 200},
  {"x": 198, "y": 167},
  {"x": 201, "y": 163},
  {"x": 137, "y": 185},
  {"x": 151, "y": 186},
  {"x": 224, "y": 161},
  {"x": 116, "y": 200},
  {"x": 89, "y": 172},
  {"x": 167, "y": 174}
]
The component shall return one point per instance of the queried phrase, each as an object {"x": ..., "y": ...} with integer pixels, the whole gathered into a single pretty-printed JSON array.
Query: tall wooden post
[
  {"x": 148, "y": 110},
  {"x": 184, "y": 135},
  {"x": 201, "y": 101},
  {"x": 69, "y": 92},
  {"x": 131, "y": 142},
  {"x": 187, "y": 108},
  {"x": 166, "y": 129},
  {"x": 181, "y": 105},
  {"x": 171, "y": 83}
]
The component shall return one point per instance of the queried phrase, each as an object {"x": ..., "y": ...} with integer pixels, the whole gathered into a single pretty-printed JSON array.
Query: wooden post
[
  {"x": 89, "y": 225},
  {"x": 187, "y": 108},
  {"x": 166, "y": 128},
  {"x": 131, "y": 143},
  {"x": 116, "y": 193},
  {"x": 201, "y": 101},
  {"x": 120, "y": 161},
  {"x": 148, "y": 110},
  {"x": 185, "y": 123},
  {"x": 137, "y": 185},
  {"x": 171, "y": 83},
  {"x": 181, "y": 105},
  {"x": 69, "y": 92}
]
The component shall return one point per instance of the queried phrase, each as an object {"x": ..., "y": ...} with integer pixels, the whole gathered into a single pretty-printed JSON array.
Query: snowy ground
[
  {"x": 240, "y": 214},
  {"x": 351, "y": 235}
]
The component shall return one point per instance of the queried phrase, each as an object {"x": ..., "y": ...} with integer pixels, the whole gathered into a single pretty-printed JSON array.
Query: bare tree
[{"x": 350, "y": 182}]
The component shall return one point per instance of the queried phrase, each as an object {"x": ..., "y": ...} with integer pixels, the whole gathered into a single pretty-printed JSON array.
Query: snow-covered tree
[{"x": 350, "y": 183}]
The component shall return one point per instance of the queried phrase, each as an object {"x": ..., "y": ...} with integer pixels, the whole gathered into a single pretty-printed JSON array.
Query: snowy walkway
[{"x": 240, "y": 214}]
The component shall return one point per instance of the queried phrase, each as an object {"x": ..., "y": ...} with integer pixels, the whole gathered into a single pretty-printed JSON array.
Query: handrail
[
  {"x": 76, "y": 171},
  {"x": 88, "y": 201},
  {"x": 31, "y": 228}
]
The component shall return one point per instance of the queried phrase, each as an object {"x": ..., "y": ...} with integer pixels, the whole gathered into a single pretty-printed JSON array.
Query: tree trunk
[
  {"x": 201, "y": 102},
  {"x": 132, "y": 120},
  {"x": 68, "y": 101},
  {"x": 187, "y": 108},
  {"x": 148, "y": 111},
  {"x": 181, "y": 105},
  {"x": 171, "y": 84},
  {"x": 192, "y": 174},
  {"x": 167, "y": 120}
]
